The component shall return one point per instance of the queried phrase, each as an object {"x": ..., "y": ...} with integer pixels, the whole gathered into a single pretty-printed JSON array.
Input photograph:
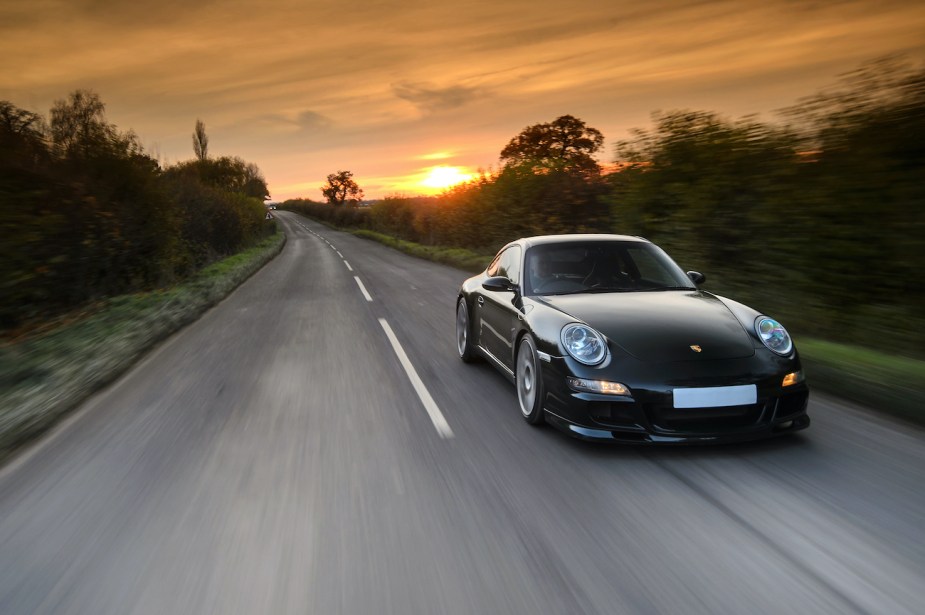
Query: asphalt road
[{"x": 276, "y": 457}]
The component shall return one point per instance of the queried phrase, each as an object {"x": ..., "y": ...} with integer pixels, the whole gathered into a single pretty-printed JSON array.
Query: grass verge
[
  {"x": 890, "y": 384},
  {"x": 42, "y": 378},
  {"x": 467, "y": 260}
]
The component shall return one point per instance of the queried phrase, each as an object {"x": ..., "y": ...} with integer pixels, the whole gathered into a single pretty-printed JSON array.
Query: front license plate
[{"x": 716, "y": 397}]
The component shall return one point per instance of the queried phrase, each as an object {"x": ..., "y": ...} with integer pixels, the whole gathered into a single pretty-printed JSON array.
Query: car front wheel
[
  {"x": 463, "y": 345},
  {"x": 529, "y": 382}
]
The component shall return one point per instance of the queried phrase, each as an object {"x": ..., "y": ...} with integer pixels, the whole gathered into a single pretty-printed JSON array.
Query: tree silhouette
[
  {"x": 566, "y": 144},
  {"x": 79, "y": 126},
  {"x": 200, "y": 141},
  {"x": 341, "y": 188}
]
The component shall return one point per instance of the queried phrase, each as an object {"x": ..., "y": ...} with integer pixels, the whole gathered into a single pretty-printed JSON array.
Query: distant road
[{"x": 280, "y": 456}]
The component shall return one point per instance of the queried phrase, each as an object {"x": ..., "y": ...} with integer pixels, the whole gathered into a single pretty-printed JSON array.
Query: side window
[
  {"x": 509, "y": 265},
  {"x": 492, "y": 270}
]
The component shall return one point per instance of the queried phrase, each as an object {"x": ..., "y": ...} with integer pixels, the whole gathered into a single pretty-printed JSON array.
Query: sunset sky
[{"x": 391, "y": 89}]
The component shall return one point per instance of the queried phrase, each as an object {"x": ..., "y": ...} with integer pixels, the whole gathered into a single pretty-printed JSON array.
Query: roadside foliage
[{"x": 86, "y": 213}]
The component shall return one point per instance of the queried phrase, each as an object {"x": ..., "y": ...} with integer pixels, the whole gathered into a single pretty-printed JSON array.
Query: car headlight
[
  {"x": 584, "y": 344},
  {"x": 773, "y": 335}
]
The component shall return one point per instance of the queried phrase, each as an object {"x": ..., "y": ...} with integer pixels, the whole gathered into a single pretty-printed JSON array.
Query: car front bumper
[{"x": 648, "y": 415}]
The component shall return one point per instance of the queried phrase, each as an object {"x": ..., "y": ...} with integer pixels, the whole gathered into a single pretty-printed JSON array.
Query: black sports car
[{"x": 605, "y": 337}]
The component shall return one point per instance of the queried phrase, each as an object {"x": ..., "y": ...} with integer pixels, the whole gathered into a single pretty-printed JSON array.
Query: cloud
[
  {"x": 312, "y": 121},
  {"x": 431, "y": 99},
  {"x": 306, "y": 122}
]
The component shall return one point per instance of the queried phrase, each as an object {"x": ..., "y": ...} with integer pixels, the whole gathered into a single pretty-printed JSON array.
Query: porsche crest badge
[{"x": 696, "y": 348}]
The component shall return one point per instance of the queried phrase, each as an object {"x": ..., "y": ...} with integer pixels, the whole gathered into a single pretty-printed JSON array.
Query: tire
[
  {"x": 529, "y": 382},
  {"x": 463, "y": 330}
]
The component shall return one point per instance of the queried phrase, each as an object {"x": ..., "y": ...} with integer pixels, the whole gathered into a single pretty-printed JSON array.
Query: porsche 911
[{"x": 606, "y": 338}]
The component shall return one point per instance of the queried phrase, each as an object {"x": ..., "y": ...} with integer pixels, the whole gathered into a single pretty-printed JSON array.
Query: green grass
[
  {"x": 44, "y": 377},
  {"x": 460, "y": 258},
  {"x": 890, "y": 384}
]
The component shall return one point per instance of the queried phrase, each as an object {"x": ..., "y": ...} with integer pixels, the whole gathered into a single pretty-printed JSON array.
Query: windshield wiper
[
  {"x": 565, "y": 292},
  {"x": 668, "y": 288},
  {"x": 596, "y": 289},
  {"x": 608, "y": 289}
]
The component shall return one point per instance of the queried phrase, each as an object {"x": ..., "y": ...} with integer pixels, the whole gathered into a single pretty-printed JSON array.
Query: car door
[{"x": 498, "y": 310}]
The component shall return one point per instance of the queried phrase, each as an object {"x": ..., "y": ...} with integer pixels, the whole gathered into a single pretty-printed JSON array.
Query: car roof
[{"x": 528, "y": 242}]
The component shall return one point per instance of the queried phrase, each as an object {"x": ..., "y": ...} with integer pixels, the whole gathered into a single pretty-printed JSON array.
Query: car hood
[{"x": 661, "y": 326}]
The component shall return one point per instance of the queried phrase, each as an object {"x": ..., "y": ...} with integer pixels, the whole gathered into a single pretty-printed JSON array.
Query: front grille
[
  {"x": 790, "y": 405},
  {"x": 614, "y": 414},
  {"x": 708, "y": 420}
]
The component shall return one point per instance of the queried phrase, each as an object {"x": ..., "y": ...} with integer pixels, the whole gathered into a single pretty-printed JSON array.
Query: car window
[
  {"x": 509, "y": 264},
  {"x": 650, "y": 268},
  {"x": 492, "y": 270},
  {"x": 599, "y": 267}
]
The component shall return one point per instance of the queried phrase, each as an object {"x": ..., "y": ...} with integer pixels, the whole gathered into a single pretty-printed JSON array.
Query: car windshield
[{"x": 601, "y": 266}]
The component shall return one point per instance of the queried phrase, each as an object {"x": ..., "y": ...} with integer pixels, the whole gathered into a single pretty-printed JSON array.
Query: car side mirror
[
  {"x": 499, "y": 284},
  {"x": 696, "y": 277}
]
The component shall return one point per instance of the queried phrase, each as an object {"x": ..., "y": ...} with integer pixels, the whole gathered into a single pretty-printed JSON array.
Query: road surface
[{"x": 314, "y": 445}]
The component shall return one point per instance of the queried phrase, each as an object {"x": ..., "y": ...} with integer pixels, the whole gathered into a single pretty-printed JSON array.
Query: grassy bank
[
  {"x": 890, "y": 384},
  {"x": 467, "y": 260},
  {"x": 44, "y": 377}
]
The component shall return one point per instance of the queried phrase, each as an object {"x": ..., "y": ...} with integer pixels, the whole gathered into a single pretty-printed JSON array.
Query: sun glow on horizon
[
  {"x": 442, "y": 177},
  {"x": 436, "y": 156}
]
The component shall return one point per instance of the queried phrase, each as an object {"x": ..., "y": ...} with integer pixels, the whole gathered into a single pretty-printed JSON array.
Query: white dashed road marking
[
  {"x": 363, "y": 289},
  {"x": 439, "y": 421},
  {"x": 436, "y": 417}
]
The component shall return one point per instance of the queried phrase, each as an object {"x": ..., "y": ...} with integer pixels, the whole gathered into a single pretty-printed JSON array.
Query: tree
[
  {"x": 341, "y": 188},
  {"x": 229, "y": 173},
  {"x": 22, "y": 137},
  {"x": 566, "y": 144},
  {"x": 868, "y": 105},
  {"x": 254, "y": 183},
  {"x": 16, "y": 122},
  {"x": 79, "y": 127},
  {"x": 200, "y": 141},
  {"x": 698, "y": 174}
]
